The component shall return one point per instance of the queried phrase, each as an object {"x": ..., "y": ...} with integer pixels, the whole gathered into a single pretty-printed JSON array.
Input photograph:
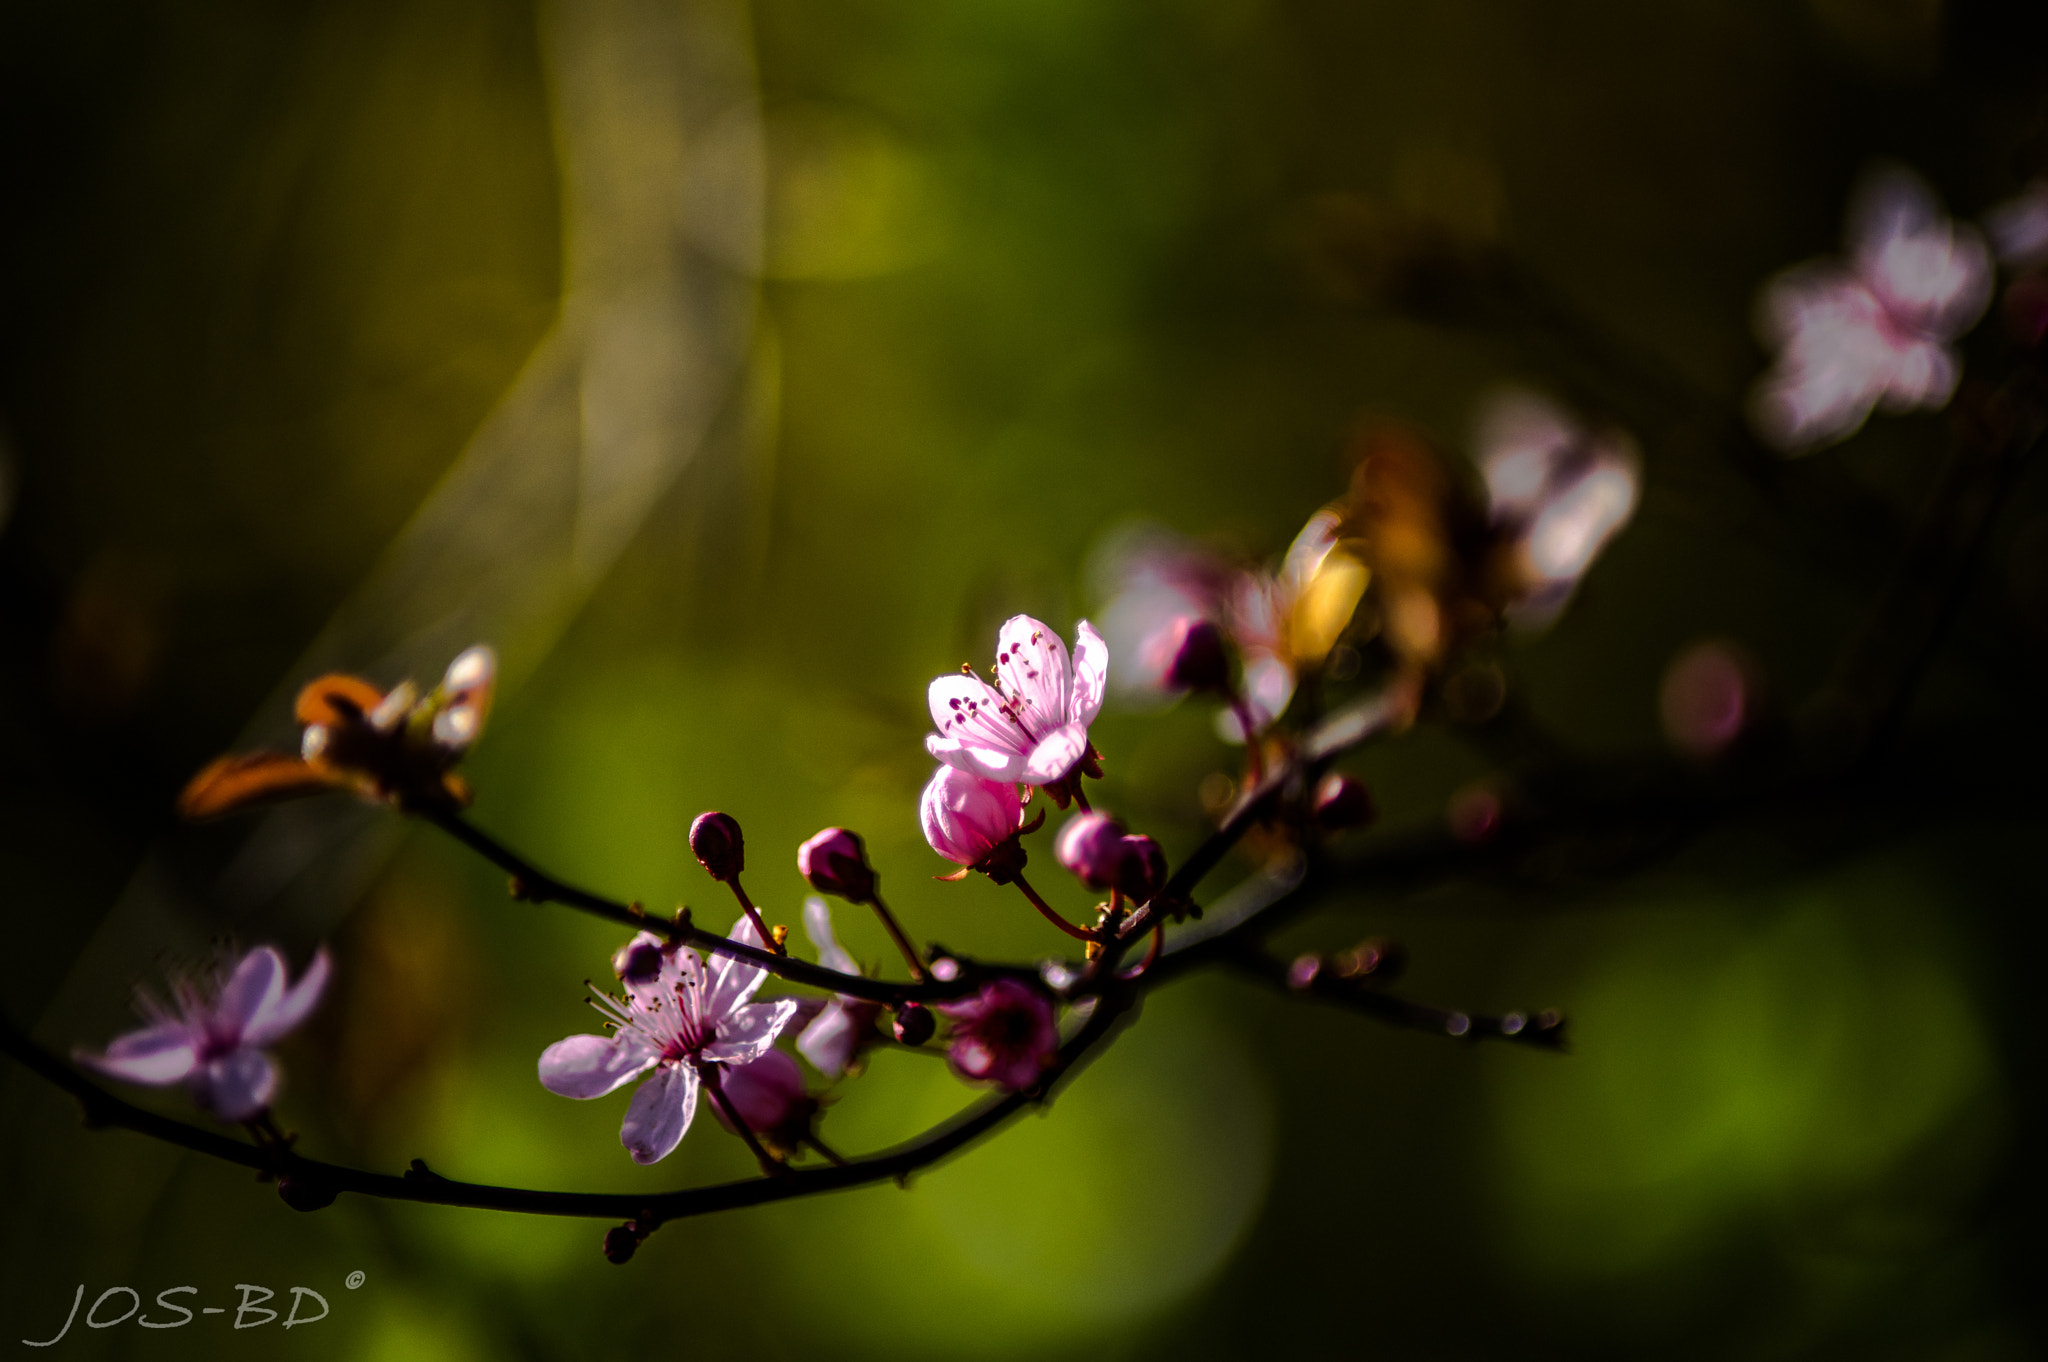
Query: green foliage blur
[{"x": 869, "y": 345}]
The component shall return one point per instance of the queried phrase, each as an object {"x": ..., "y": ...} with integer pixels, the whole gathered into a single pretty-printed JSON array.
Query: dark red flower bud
[
  {"x": 1092, "y": 846},
  {"x": 914, "y": 1024},
  {"x": 1142, "y": 870},
  {"x": 1197, "y": 660},
  {"x": 836, "y": 862},
  {"x": 637, "y": 961},
  {"x": 620, "y": 1242},
  {"x": 303, "y": 1193},
  {"x": 716, "y": 842},
  {"x": 1342, "y": 802},
  {"x": 1474, "y": 813}
]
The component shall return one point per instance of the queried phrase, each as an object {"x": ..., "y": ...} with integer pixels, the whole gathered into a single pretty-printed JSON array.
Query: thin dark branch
[
  {"x": 1543, "y": 1030},
  {"x": 312, "y": 1175},
  {"x": 1880, "y": 670},
  {"x": 537, "y": 886}
]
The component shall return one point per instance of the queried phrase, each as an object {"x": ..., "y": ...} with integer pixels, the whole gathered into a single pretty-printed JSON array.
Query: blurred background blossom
[{"x": 735, "y": 368}]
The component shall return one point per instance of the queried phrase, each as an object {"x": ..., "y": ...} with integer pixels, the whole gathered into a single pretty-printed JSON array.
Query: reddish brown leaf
[
  {"x": 337, "y": 699},
  {"x": 234, "y": 782}
]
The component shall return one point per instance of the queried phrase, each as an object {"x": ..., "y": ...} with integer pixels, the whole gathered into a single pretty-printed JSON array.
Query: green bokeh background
[{"x": 1028, "y": 272}]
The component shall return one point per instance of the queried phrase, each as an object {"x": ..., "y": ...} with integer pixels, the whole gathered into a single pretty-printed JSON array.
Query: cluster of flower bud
[{"x": 1098, "y": 850}]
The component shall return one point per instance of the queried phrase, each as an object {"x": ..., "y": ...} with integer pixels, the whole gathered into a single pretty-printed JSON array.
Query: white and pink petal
[
  {"x": 276, "y": 1019},
  {"x": 661, "y": 1112},
  {"x": 1053, "y": 759},
  {"x": 990, "y": 763},
  {"x": 747, "y": 1032},
  {"x": 252, "y": 991},
  {"x": 589, "y": 1066},
  {"x": 1091, "y": 675},
  {"x": 163, "y": 1053},
  {"x": 1031, "y": 662}
]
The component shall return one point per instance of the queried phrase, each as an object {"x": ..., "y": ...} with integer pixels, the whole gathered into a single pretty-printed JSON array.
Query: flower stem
[
  {"x": 910, "y": 955},
  {"x": 1137, "y": 971},
  {"x": 830, "y": 1154},
  {"x": 754, "y": 916},
  {"x": 1081, "y": 797},
  {"x": 1078, "y": 933}
]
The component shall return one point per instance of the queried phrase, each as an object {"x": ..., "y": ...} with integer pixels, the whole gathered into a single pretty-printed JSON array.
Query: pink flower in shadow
[
  {"x": 212, "y": 1035},
  {"x": 1004, "y": 1035},
  {"x": 1871, "y": 332}
]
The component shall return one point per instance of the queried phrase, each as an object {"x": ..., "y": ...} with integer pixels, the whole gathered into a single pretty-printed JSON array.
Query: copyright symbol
[{"x": 354, "y": 1280}]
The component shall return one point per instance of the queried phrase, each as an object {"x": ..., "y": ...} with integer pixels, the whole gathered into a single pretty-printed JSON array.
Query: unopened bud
[
  {"x": 1474, "y": 814},
  {"x": 1377, "y": 957},
  {"x": 620, "y": 1243},
  {"x": 1342, "y": 803},
  {"x": 913, "y": 1024},
  {"x": 716, "y": 842},
  {"x": 1092, "y": 846},
  {"x": 1196, "y": 660},
  {"x": 836, "y": 862},
  {"x": 303, "y": 1193},
  {"x": 637, "y": 961},
  {"x": 1707, "y": 698},
  {"x": 1302, "y": 972},
  {"x": 1143, "y": 869}
]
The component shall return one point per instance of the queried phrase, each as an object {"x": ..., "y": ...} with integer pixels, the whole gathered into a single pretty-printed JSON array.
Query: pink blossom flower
[
  {"x": 835, "y": 1037},
  {"x": 1003, "y": 1035},
  {"x": 1871, "y": 333},
  {"x": 1154, "y": 581},
  {"x": 1034, "y": 730},
  {"x": 668, "y": 1027},
  {"x": 966, "y": 817},
  {"x": 213, "y": 1034},
  {"x": 1556, "y": 494},
  {"x": 1278, "y": 621}
]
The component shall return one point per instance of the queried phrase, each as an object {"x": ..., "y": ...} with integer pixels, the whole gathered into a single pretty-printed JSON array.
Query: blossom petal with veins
[
  {"x": 590, "y": 1066},
  {"x": 1034, "y": 729},
  {"x": 1055, "y": 755},
  {"x": 748, "y": 1031},
  {"x": 661, "y": 1112},
  {"x": 1032, "y": 664}
]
